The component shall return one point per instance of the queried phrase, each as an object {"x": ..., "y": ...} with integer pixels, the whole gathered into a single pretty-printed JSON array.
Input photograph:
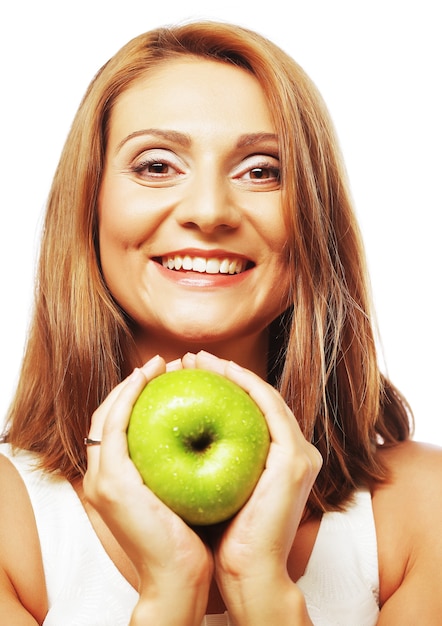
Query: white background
[{"x": 378, "y": 65}]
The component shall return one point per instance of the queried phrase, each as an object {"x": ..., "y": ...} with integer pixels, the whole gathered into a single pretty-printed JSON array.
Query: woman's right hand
[
  {"x": 174, "y": 566},
  {"x": 251, "y": 551}
]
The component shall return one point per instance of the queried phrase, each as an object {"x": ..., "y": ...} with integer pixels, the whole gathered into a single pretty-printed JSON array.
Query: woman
[{"x": 200, "y": 217}]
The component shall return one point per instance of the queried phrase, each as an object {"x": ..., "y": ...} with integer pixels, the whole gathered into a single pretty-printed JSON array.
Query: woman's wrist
[
  {"x": 168, "y": 603},
  {"x": 275, "y": 603},
  {"x": 162, "y": 612}
]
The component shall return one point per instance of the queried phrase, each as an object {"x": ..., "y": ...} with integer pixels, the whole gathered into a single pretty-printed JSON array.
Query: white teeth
[
  {"x": 212, "y": 266},
  {"x": 224, "y": 266},
  {"x": 200, "y": 264},
  {"x": 187, "y": 263},
  {"x": 233, "y": 267}
]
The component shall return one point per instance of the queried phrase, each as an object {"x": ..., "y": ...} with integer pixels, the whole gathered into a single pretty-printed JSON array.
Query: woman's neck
[{"x": 249, "y": 352}]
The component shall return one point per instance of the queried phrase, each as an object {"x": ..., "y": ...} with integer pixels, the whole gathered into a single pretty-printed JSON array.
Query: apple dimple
[{"x": 199, "y": 442}]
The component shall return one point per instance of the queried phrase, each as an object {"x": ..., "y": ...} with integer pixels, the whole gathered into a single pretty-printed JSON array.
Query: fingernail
[
  {"x": 153, "y": 359},
  {"x": 173, "y": 365},
  {"x": 235, "y": 366},
  {"x": 135, "y": 374},
  {"x": 151, "y": 363},
  {"x": 207, "y": 355}
]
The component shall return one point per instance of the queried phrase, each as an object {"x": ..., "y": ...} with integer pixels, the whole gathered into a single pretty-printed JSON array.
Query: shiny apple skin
[{"x": 170, "y": 427}]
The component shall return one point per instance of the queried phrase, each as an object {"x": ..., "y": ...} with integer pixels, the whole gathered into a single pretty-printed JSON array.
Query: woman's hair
[{"x": 322, "y": 349}]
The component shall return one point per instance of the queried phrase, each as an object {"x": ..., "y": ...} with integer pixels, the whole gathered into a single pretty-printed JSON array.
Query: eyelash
[
  {"x": 274, "y": 176},
  {"x": 274, "y": 171},
  {"x": 139, "y": 168}
]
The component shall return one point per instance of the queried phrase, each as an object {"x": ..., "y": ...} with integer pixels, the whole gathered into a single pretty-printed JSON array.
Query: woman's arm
[
  {"x": 23, "y": 599},
  {"x": 408, "y": 514}
]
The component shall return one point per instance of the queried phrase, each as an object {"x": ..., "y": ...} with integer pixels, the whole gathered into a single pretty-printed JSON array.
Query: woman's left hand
[{"x": 251, "y": 552}]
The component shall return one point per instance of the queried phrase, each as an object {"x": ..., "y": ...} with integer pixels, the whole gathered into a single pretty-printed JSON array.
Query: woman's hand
[
  {"x": 251, "y": 552},
  {"x": 174, "y": 566}
]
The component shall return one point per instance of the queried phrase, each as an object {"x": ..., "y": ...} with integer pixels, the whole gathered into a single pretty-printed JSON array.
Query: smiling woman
[
  {"x": 190, "y": 229},
  {"x": 198, "y": 191}
]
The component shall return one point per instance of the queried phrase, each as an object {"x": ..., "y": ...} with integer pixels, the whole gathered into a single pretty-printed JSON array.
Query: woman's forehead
[{"x": 190, "y": 92}]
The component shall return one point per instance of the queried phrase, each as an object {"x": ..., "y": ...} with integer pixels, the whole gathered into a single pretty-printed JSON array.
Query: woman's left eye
[{"x": 262, "y": 172}]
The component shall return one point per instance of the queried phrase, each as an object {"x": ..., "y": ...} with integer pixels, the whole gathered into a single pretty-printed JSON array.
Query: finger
[
  {"x": 287, "y": 440},
  {"x": 100, "y": 414},
  {"x": 189, "y": 360},
  {"x": 149, "y": 370},
  {"x": 113, "y": 415},
  {"x": 172, "y": 366},
  {"x": 280, "y": 419},
  {"x": 291, "y": 468},
  {"x": 205, "y": 360},
  {"x": 285, "y": 433},
  {"x": 117, "y": 419},
  {"x": 118, "y": 411}
]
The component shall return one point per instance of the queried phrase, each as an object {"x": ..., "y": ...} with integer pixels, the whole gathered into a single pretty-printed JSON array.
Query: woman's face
[{"x": 190, "y": 222}]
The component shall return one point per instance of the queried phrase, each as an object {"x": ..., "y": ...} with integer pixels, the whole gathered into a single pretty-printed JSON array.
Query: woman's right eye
[{"x": 155, "y": 167}]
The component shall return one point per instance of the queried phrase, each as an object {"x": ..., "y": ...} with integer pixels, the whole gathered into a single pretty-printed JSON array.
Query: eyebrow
[
  {"x": 248, "y": 139},
  {"x": 171, "y": 135},
  {"x": 251, "y": 139}
]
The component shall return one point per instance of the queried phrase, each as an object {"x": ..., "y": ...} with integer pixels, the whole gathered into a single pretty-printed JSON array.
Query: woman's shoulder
[
  {"x": 412, "y": 492},
  {"x": 410, "y": 452},
  {"x": 408, "y": 517},
  {"x": 414, "y": 468},
  {"x": 21, "y": 567},
  {"x": 413, "y": 486}
]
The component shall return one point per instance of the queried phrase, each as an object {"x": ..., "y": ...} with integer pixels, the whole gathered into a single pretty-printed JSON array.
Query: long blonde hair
[{"x": 322, "y": 349}]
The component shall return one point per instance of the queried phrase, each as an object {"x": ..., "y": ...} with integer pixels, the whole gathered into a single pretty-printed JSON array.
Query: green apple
[{"x": 199, "y": 442}]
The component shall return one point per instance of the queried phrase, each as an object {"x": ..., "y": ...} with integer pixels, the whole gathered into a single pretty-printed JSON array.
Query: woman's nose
[{"x": 209, "y": 205}]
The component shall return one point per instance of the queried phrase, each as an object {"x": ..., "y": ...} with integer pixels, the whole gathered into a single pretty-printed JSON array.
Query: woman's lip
[
  {"x": 193, "y": 279},
  {"x": 205, "y": 254},
  {"x": 204, "y": 261}
]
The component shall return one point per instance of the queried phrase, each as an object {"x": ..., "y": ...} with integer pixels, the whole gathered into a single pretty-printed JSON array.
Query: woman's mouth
[{"x": 202, "y": 265}]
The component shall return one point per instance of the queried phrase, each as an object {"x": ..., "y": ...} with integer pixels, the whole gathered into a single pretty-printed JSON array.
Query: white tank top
[{"x": 85, "y": 588}]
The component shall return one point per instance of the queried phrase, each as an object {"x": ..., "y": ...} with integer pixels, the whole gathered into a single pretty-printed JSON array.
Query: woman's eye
[
  {"x": 264, "y": 173},
  {"x": 153, "y": 168},
  {"x": 259, "y": 173},
  {"x": 156, "y": 167}
]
